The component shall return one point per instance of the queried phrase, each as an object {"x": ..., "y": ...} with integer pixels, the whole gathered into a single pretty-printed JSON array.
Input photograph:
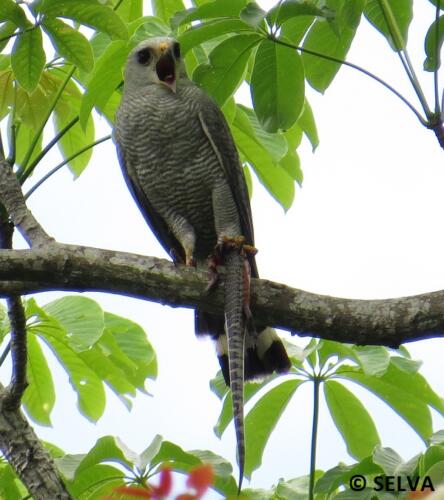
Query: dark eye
[
  {"x": 144, "y": 57},
  {"x": 176, "y": 50}
]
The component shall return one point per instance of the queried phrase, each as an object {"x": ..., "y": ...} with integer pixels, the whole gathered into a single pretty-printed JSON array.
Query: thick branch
[
  {"x": 12, "y": 198},
  {"x": 25, "y": 453},
  {"x": 387, "y": 322}
]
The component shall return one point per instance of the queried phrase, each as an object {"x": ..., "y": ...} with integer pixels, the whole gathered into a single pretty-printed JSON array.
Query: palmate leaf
[
  {"x": 275, "y": 178},
  {"x": 166, "y": 9},
  {"x": 227, "y": 63},
  {"x": 289, "y": 9},
  {"x": 93, "y": 351},
  {"x": 39, "y": 397},
  {"x": 28, "y": 57},
  {"x": 210, "y": 30},
  {"x": 10, "y": 11},
  {"x": 129, "y": 10},
  {"x": 432, "y": 46},
  {"x": 96, "y": 482},
  {"x": 402, "y": 11},
  {"x": 104, "y": 79},
  {"x": 332, "y": 39},
  {"x": 210, "y": 10},
  {"x": 350, "y": 418},
  {"x": 89, "y": 13},
  {"x": 68, "y": 108},
  {"x": 262, "y": 419},
  {"x": 277, "y": 86},
  {"x": 69, "y": 43},
  {"x": 409, "y": 404}
]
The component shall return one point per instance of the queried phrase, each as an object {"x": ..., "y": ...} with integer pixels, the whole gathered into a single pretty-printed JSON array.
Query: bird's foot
[
  {"x": 213, "y": 274},
  {"x": 238, "y": 243}
]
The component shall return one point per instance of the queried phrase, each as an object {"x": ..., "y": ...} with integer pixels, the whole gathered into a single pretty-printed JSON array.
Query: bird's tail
[{"x": 235, "y": 330}]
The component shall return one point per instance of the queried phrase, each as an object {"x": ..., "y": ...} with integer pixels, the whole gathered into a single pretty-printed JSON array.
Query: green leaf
[
  {"x": 123, "y": 337},
  {"x": 296, "y": 8},
  {"x": 262, "y": 419},
  {"x": 86, "y": 384},
  {"x": 292, "y": 165},
  {"x": 350, "y": 417},
  {"x": 432, "y": 47},
  {"x": 9, "y": 489},
  {"x": 407, "y": 365},
  {"x": 252, "y": 14},
  {"x": 401, "y": 391},
  {"x": 210, "y": 10},
  {"x": 69, "y": 43},
  {"x": 10, "y": 11},
  {"x": 295, "y": 489},
  {"x": 151, "y": 27},
  {"x": 388, "y": 459},
  {"x": 6, "y": 30},
  {"x": 104, "y": 79},
  {"x": 437, "y": 437},
  {"x": 275, "y": 143},
  {"x": 277, "y": 86},
  {"x": 435, "y": 474},
  {"x": 295, "y": 28},
  {"x": 68, "y": 108},
  {"x": 402, "y": 11},
  {"x": 165, "y": 9},
  {"x": 224, "y": 73},
  {"x": 23, "y": 139},
  {"x": 28, "y": 58},
  {"x": 106, "y": 449},
  {"x": 89, "y": 13},
  {"x": 67, "y": 464},
  {"x": 435, "y": 2},
  {"x": 81, "y": 317},
  {"x": 275, "y": 179},
  {"x": 226, "y": 414},
  {"x": 96, "y": 482},
  {"x": 39, "y": 397},
  {"x": 432, "y": 456},
  {"x": 150, "y": 452},
  {"x": 374, "y": 360},
  {"x": 330, "y": 39},
  {"x": 203, "y": 32},
  {"x": 307, "y": 123},
  {"x": 130, "y": 10}
]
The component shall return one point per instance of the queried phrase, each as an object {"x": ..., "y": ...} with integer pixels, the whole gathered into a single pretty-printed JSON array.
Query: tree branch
[
  {"x": 23, "y": 450},
  {"x": 11, "y": 197},
  {"x": 388, "y": 322}
]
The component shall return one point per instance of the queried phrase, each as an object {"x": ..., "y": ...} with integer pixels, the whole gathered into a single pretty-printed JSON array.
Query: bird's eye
[
  {"x": 144, "y": 57},
  {"x": 176, "y": 50}
]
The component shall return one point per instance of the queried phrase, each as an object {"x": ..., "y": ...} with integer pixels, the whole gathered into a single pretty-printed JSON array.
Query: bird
[{"x": 180, "y": 163}]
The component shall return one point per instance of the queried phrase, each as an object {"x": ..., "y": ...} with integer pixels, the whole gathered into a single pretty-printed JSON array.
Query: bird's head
[{"x": 156, "y": 60}]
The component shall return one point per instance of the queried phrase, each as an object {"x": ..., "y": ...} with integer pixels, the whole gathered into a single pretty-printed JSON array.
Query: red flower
[{"x": 200, "y": 479}]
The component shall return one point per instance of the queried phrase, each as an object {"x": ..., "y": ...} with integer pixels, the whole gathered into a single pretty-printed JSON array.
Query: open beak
[{"x": 166, "y": 70}]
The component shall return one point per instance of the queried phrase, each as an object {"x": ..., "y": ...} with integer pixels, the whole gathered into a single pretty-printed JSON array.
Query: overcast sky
[{"x": 367, "y": 223}]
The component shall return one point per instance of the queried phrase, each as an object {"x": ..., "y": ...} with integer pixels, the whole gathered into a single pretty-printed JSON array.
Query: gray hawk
[{"x": 180, "y": 163}]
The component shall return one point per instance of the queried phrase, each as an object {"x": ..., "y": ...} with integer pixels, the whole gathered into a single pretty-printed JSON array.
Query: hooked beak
[{"x": 166, "y": 69}]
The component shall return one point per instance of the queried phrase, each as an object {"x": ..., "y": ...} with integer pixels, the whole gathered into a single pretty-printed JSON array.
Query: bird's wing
[
  {"x": 154, "y": 220},
  {"x": 219, "y": 136}
]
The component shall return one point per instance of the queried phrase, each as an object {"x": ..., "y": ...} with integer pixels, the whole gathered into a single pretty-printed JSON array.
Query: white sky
[{"x": 366, "y": 224}]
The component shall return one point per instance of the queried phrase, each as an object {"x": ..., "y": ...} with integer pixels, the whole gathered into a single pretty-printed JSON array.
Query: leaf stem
[
  {"x": 403, "y": 54},
  {"x": 45, "y": 150},
  {"x": 435, "y": 73},
  {"x": 357, "y": 68},
  {"x": 21, "y": 171},
  {"x": 314, "y": 435},
  {"x": 63, "y": 163},
  {"x": 33, "y": 27}
]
